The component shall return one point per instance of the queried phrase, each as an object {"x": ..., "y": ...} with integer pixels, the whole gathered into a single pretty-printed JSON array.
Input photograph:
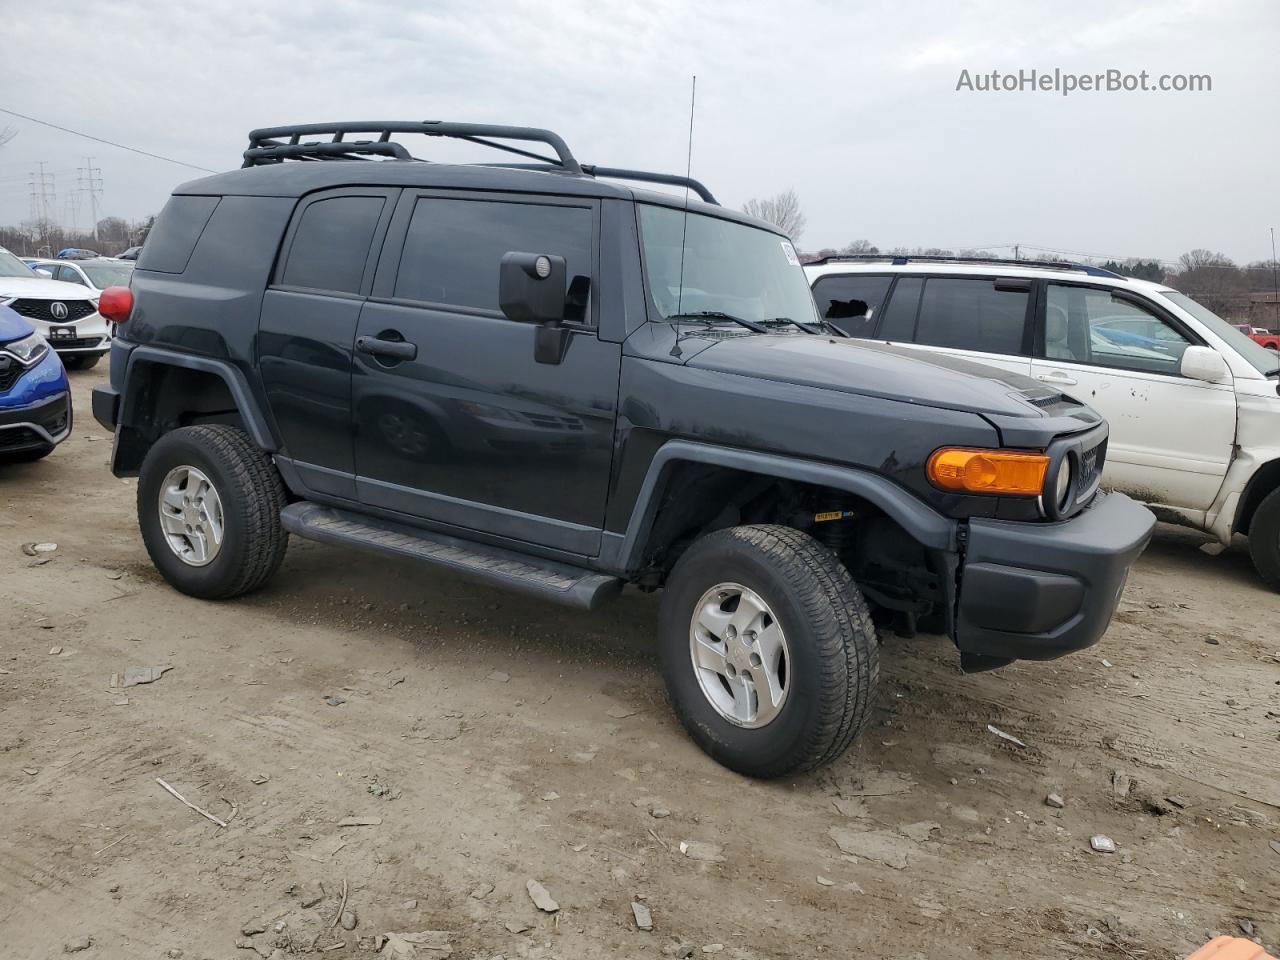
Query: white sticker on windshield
[{"x": 790, "y": 251}]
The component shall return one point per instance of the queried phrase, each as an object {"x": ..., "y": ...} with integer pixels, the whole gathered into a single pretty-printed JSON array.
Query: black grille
[
  {"x": 16, "y": 437},
  {"x": 42, "y": 310},
  {"x": 71, "y": 343},
  {"x": 10, "y": 371},
  {"x": 1091, "y": 464}
]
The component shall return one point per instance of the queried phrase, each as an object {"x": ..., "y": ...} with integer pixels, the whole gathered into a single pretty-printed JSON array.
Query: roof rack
[
  {"x": 276, "y": 144},
  {"x": 902, "y": 259}
]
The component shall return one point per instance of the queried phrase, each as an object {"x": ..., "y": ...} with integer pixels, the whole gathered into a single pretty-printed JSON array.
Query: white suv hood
[{"x": 43, "y": 289}]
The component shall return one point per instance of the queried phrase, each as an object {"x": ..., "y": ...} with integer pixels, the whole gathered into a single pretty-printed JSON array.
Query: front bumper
[
  {"x": 1036, "y": 591},
  {"x": 37, "y": 426}
]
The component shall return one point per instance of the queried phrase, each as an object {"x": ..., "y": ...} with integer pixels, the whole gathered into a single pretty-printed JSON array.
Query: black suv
[{"x": 556, "y": 384}]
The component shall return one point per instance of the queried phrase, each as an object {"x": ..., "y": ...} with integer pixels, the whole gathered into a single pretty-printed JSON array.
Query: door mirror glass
[
  {"x": 1203, "y": 363},
  {"x": 531, "y": 287}
]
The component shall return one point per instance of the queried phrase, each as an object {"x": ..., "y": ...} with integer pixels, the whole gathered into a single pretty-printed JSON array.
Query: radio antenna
[{"x": 684, "y": 228}]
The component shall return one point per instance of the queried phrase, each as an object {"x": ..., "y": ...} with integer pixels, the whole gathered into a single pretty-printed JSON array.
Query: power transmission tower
[
  {"x": 91, "y": 183},
  {"x": 44, "y": 196}
]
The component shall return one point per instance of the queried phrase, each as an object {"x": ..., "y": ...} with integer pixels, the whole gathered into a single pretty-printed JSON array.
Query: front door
[
  {"x": 1171, "y": 436},
  {"x": 459, "y": 424}
]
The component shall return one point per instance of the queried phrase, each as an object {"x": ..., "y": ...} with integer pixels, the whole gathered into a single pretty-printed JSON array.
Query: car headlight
[
  {"x": 28, "y": 350},
  {"x": 1062, "y": 483}
]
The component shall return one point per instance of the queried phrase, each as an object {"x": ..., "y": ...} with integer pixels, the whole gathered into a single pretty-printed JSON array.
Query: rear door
[
  {"x": 461, "y": 425},
  {"x": 308, "y": 327},
  {"x": 983, "y": 319},
  {"x": 1171, "y": 437}
]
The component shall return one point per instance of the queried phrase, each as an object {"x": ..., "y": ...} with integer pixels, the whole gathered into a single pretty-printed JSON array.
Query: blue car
[{"x": 35, "y": 398}]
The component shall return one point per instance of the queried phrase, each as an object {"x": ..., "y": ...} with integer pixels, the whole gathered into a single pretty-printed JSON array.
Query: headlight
[
  {"x": 1062, "y": 483},
  {"x": 28, "y": 350}
]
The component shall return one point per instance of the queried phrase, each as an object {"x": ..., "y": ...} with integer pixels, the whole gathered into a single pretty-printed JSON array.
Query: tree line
[{"x": 44, "y": 238}]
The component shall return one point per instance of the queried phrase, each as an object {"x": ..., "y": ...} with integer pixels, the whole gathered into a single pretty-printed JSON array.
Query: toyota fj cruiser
[{"x": 533, "y": 376}]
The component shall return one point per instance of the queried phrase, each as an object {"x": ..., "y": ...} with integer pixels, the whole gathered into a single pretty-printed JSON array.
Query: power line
[{"x": 109, "y": 143}]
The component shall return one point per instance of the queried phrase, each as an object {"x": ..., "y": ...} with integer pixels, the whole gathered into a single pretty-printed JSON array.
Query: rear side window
[
  {"x": 900, "y": 316},
  {"x": 453, "y": 248},
  {"x": 331, "y": 245},
  {"x": 851, "y": 302},
  {"x": 174, "y": 235},
  {"x": 971, "y": 314}
]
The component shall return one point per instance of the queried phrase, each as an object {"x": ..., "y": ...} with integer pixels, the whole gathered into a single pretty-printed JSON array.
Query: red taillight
[{"x": 116, "y": 303}]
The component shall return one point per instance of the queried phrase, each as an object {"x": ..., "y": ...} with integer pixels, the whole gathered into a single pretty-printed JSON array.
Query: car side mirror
[
  {"x": 531, "y": 289},
  {"x": 1203, "y": 363}
]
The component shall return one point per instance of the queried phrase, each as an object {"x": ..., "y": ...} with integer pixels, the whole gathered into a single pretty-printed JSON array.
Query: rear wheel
[
  {"x": 768, "y": 650},
  {"x": 209, "y": 505},
  {"x": 81, "y": 361},
  {"x": 1264, "y": 539}
]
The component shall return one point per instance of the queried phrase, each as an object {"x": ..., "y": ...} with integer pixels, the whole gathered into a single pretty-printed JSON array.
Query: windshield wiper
[
  {"x": 718, "y": 315},
  {"x": 803, "y": 326}
]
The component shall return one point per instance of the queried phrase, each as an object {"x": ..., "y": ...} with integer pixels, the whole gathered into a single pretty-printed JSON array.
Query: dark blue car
[{"x": 35, "y": 398}]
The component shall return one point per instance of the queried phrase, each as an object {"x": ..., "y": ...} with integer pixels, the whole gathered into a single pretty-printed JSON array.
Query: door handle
[
  {"x": 391, "y": 349},
  {"x": 1057, "y": 377}
]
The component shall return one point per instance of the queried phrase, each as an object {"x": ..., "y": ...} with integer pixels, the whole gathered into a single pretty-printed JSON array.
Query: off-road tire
[
  {"x": 252, "y": 496},
  {"x": 1264, "y": 539},
  {"x": 834, "y": 652},
  {"x": 80, "y": 361}
]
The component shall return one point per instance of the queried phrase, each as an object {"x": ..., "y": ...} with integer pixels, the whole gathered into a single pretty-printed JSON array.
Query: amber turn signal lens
[{"x": 988, "y": 471}]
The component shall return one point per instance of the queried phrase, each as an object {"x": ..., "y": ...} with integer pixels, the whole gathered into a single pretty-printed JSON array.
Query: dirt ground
[{"x": 497, "y": 740}]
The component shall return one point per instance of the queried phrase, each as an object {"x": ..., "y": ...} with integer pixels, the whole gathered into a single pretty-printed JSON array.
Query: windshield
[
  {"x": 1262, "y": 359},
  {"x": 104, "y": 275},
  {"x": 11, "y": 266},
  {"x": 728, "y": 268}
]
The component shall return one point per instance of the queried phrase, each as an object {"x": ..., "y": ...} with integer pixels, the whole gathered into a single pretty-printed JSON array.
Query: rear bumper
[{"x": 1039, "y": 591}]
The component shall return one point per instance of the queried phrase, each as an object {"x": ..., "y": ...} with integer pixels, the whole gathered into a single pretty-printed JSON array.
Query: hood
[
  {"x": 881, "y": 370},
  {"x": 13, "y": 326},
  {"x": 43, "y": 288}
]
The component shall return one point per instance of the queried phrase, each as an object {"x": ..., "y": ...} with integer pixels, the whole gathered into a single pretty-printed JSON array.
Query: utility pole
[
  {"x": 43, "y": 194},
  {"x": 1015, "y": 251},
  {"x": 91, "y": 182}
]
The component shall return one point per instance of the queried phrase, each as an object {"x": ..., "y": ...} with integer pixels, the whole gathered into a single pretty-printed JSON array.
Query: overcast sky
[{"x": 856, "y": 109}]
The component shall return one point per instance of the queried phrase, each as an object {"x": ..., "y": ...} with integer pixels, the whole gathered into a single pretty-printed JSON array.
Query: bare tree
[
  {"x": 7, "y": 134},
  {"x": 782, "y": 210}
]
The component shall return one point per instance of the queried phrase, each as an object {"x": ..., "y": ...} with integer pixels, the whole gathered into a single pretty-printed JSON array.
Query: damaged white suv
[{"x": 1193, "y": 403}]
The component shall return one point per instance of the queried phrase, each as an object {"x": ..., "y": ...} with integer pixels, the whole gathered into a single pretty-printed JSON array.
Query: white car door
[
  {"x": 1171, "y": 436},
  {"x": 983, "y": 319}
]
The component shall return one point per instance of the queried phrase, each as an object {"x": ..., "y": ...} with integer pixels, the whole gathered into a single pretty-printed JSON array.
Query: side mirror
[
  {"x": 531, "y": 289},
  {"x": 1203, "y": 363}
]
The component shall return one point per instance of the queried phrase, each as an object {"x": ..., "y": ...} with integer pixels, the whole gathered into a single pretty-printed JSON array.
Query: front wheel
[
  {"x": 1264, "y": 539},
  {"x": 209, "y": 505},
  {"x": 769, "y": 654}
]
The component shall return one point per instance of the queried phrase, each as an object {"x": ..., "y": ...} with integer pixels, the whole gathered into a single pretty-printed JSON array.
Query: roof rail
[
  {"x": 618, "y": 173},
  {"x": 902, "y": 259},
  {"x": 276, "y": 144}
]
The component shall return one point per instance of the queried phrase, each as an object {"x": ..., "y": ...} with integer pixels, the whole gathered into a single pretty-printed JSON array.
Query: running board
[{"x": 557, "y": 582}]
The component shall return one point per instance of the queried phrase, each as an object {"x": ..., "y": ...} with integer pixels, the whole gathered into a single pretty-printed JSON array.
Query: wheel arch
[
  {"x": 643, "y": 534},
  {"x": 1264, "y": 480},
  {"x": 165, "y": 390}
]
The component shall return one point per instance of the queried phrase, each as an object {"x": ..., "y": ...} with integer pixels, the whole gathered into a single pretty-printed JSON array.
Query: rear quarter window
[
  {"x": 174, "y": 235},
  {"x": 972, "y": 314}
]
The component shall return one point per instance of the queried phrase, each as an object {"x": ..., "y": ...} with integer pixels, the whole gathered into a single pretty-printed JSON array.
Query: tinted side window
[
  {"x": 1088, "y": 325},
  {"x": 971, "y": 314},
  {"x": 331, "y": 244},
  {"x": 453, "y": 248},
  {"x": 175, "y": 232},
  {"x": 851, "y": 302},
  {"x": 900, "y": 316}
]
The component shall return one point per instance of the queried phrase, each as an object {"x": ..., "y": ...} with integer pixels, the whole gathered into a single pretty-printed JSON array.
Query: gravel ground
[{"x": 422, "y": 748}]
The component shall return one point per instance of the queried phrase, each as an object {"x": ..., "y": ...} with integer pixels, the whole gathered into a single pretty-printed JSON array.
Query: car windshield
[
  {"x": 728, "y": 268},
  {"x": 1263, "y": 360},
  {"x": 104, "y": 275},
  {"x": 11, "y": 266}
]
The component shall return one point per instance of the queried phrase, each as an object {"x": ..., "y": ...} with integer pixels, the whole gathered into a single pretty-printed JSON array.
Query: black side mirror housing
[{"x": 531, "y": 289}]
